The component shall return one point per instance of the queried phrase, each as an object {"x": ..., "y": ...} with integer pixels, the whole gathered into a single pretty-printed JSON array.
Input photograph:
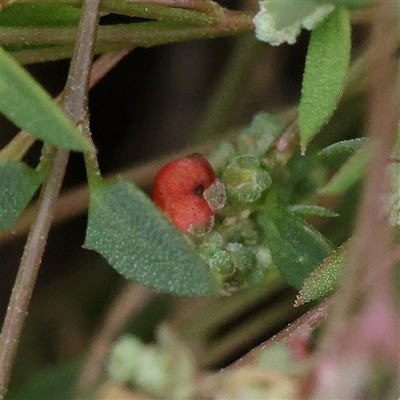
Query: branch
[{"x": 74, "y": 104}]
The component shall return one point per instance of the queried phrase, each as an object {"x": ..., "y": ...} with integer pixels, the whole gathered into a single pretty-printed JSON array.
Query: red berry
[{"x": 178, "y": 191}]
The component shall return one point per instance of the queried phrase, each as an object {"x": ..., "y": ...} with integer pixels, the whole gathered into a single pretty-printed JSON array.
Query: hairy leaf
[
  {"x": 296, "y": 247},
  {"x": 326, "y": 67},
  {"x": 18, "y": 183},
  {"x": 325, "y": 279},
  {"x": 132, "y": 235}
]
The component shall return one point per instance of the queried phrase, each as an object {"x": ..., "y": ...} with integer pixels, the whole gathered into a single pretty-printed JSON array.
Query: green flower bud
[
  {"x": 245, "y": 180},
  {"x": 215, "y": 195},
  {"x": 221, "y": 263},
  {"x": 241, "y": 257},
  {"x": 213, "y": 243}
]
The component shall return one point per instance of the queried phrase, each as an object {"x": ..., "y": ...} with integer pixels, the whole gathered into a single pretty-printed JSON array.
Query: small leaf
[
  {"x": 296, "y": 247},
  {"x": 336, "y": 154},
  {"x": 350, "y": 172},
  {"x": 18, "y": 183},
  {"x": 132, "y": 235},
  {"x": 24, "y": 102},
  {"x": 326, "y": 67},
  {"x": 325, "y": 279},
  {"x": 304, "y": 211}
]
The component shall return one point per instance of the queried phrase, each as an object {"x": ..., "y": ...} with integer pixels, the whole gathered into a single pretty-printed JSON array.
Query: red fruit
[{"x": 178, "y": 191}]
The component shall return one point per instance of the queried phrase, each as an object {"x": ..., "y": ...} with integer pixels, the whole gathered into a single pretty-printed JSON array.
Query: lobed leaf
[
  {"x": 296, "y": 247},
  {"x": 18, "y": 183},
  {"x": 132, "y": 235},
  {"x": 24, "y": 102},
  {"x": 327, "y": 63}
]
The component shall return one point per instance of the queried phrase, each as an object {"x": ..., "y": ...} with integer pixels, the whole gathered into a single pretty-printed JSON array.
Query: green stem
[
  {"x": 75, "y": 103},
  {"x": 144, "y": 34},
  {"x": 92, "y": 165},
  {"x": 158, "y": 12}
]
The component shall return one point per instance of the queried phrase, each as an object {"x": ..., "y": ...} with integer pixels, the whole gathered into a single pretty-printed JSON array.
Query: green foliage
[
  {"x": 325, "y": 279},
  {"x": 350, "y": 172},
  {"x": 24, "y": 102},
  {"x": 296, "y": 247},
  {"x": 327, "y": 62},
  {"x": 126, "y": 228},
  {"x": 265, "y": 235},
  {"x": 18, "y": 183},
  {"x": 40, "y": 14},
  {"x": 336, "y": 154},
  {"x": 245, "y": 180}
]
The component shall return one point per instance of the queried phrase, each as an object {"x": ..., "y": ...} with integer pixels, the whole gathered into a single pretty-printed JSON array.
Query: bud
[
  {"x": 245, "y": 180},
  {"x": 241, "y": 257}
]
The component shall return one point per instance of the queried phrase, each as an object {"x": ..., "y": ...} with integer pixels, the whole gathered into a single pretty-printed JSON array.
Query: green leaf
[
  {"x": 39, "y": 14},
  {"x": 336, "y": 154},
  {"x": 296, "y": 247},
  {"x": 18, "y": 183},
  {"x": 327, "y": 63},
  {"x": 24, "y": 102},
  {"x": 350, "y": 172},
  {"x": 132, "y": 235},
  {"x": 325, "y": 279},
  {"x": 304, "y": 211}
]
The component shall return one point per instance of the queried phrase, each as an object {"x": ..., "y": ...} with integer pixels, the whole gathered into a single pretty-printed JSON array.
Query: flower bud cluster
[{"x": 235, "y": 249}]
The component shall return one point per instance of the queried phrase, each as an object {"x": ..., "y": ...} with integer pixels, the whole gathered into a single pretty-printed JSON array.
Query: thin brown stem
[
  {"x": 144, "y": 34},
  {"x": 130, "y": 302},
  {"x": 74, "y": 104},
  {"x": 27, "y": 273},
  {"x": 302, "y": 326}
]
